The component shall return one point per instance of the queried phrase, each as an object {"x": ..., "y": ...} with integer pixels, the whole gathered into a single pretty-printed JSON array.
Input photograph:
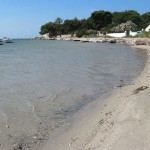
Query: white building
[
  {"x": 147, "y": 29},
  {"x": 119, "y": 35}
]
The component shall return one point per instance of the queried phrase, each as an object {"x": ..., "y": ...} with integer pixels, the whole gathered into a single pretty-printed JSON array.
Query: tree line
[{"x": 101, "y": 20}]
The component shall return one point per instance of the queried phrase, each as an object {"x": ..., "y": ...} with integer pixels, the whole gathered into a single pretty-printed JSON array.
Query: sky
[{"x": 23, "y": 18}]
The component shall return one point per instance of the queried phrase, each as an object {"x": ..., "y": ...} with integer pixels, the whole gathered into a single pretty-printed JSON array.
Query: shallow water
[{"x": 43, "y": 83}]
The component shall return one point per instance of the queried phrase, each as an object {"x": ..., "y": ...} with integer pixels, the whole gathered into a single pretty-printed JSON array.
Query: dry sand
[{"x": 122, "y": 122}]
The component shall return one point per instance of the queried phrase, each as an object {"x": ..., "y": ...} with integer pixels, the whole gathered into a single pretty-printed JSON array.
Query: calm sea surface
[{"x": 48, "y": 81}]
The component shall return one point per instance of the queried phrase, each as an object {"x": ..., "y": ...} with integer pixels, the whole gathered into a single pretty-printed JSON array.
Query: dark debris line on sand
[{"x": 142, "y": 88}]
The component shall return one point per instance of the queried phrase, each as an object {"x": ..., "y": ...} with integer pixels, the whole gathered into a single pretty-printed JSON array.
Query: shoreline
[
  {"x": 116, "y": 123},
  {"x": 127, "y": 41}
]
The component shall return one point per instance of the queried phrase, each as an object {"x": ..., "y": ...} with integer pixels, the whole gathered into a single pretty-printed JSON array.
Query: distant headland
[{"x": 114, "y": 24}]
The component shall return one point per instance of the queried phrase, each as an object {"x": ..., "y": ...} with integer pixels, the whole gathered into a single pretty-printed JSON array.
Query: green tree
[
  {"x": 132, "y": 15},
  {"x": 71, "y": 25},
  {"x": 44, "y": 29},
  {"x": 101, "y": 19},
  {"x": 118, "y": 18},
  {"x": 123, "y": 17},
  {"x": 145, "y": 19},
  {"x": 59, "y": 20},
  {"x": 86, "y": 23},
  {"x": 59, "y": 29},
  {"x": 50, "y": 28}
]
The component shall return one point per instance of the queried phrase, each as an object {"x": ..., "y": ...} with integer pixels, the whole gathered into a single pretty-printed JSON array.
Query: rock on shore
[{"x": 128, "y": 41}]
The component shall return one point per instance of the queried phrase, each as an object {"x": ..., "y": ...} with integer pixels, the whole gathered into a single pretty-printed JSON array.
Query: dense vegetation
[{"x": 103, "y": 21}]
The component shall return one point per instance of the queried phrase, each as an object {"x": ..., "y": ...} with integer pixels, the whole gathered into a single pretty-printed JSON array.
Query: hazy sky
[{"x": 23, "y": 18}]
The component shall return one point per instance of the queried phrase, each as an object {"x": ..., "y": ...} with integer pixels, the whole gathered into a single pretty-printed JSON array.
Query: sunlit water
[{"x": 43, "y": 83}]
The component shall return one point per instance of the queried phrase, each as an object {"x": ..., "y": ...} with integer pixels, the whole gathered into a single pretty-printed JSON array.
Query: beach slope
[{"x": 120, "y": 123}]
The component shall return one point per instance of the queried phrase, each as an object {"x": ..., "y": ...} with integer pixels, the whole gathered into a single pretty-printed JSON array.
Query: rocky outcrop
[
  {"x": 46, "y": 36},
  {"x": 134, "y": 41},
  {"x": 140, "y": 42},
  {"x": 129, "y": 25},
  {"x": 113, "y": 41}
]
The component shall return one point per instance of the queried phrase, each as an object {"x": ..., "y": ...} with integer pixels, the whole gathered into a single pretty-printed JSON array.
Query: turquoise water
[{"x": 49, "y": 81}]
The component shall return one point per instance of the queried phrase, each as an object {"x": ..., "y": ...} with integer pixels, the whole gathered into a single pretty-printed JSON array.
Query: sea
[{"x": 44, "y": 83}]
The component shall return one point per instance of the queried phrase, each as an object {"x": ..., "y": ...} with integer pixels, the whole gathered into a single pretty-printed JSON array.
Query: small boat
[
  {"x": 7, "y": 40},
  {"x": 1, "y": 42}
]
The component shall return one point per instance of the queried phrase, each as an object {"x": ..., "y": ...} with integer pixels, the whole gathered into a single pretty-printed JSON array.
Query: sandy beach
[{"x": 121, "y": 122}]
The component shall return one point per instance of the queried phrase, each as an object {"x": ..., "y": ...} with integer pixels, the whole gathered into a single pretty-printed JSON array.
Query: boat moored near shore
[{"x": 7, "y": 40}]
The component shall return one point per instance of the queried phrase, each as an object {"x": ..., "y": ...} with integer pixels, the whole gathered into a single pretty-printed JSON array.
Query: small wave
[{"x": 64, "y": 92}]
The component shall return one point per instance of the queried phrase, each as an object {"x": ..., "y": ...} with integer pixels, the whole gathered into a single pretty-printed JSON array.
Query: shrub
[
  {"x": 92, "y": 32},
  {"x": 81, "y": 32}
]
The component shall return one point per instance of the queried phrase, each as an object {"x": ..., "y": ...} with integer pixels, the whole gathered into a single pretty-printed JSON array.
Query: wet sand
[{"x": 121, "y": 122}]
